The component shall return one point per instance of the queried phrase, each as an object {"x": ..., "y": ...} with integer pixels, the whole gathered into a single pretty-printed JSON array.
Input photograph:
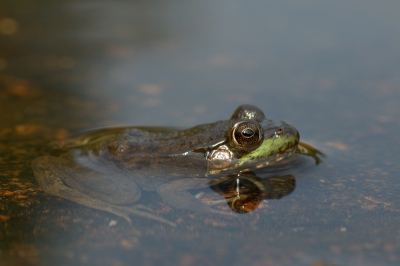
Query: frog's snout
[{"x": 288, "y": 130}]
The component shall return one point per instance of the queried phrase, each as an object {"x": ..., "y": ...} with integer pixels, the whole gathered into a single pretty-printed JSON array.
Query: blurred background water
[{"x": 331, "y": 69}]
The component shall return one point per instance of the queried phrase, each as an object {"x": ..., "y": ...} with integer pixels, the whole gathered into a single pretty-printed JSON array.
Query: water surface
[{"x": 330, "y": 69}]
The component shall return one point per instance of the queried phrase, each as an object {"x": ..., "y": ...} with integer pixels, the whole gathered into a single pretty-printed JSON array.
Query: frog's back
[
  {"x": 150, "y": 156},
  {"x": 142, "y": 140}
]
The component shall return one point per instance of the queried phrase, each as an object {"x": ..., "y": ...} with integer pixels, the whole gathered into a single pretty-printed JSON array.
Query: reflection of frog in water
[
  {"x": 107, "y": 169},
  {"x": 244, "y": 191}
]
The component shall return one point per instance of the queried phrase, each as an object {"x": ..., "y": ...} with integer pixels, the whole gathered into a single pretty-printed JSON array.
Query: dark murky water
[{"x": 330, "y": 69}]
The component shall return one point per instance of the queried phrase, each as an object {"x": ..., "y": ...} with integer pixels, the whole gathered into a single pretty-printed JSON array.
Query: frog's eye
[{"x": 247, "y": 134}]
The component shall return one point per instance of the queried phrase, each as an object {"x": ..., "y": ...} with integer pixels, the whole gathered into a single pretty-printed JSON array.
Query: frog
[{"x": 108, "y": 169}]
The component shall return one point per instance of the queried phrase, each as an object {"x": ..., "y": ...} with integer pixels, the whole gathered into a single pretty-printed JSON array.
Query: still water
[{"x": 329, "y": 69}]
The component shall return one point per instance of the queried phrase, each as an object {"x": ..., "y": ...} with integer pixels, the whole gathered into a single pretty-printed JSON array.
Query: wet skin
[{"x": 108, "y": 169}]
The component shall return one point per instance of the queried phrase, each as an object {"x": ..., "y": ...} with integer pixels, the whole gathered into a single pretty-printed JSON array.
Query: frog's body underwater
[{"x": 107, "y": 169}]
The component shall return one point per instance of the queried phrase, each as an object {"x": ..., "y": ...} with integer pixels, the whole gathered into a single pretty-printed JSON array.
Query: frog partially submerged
[{"x": 107, "y": 169}]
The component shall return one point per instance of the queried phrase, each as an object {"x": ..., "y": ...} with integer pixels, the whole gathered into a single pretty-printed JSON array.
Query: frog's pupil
[{"x": 247, "y": 133}]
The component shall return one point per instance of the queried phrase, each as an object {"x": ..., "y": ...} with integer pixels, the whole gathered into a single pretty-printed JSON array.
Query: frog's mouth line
[
  {"x": 272, "y": 150},
  {"x": 251, "y": 165},
  {"x": 276, "y": 145},
  {"x": 277, "y": 158}
]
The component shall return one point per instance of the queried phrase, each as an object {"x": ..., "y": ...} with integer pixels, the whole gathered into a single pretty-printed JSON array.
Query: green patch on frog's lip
[{"x": 269, "y": 147}]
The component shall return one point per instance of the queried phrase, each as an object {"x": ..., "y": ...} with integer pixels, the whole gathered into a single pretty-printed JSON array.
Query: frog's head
[{"x": 252, "y": 141}]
